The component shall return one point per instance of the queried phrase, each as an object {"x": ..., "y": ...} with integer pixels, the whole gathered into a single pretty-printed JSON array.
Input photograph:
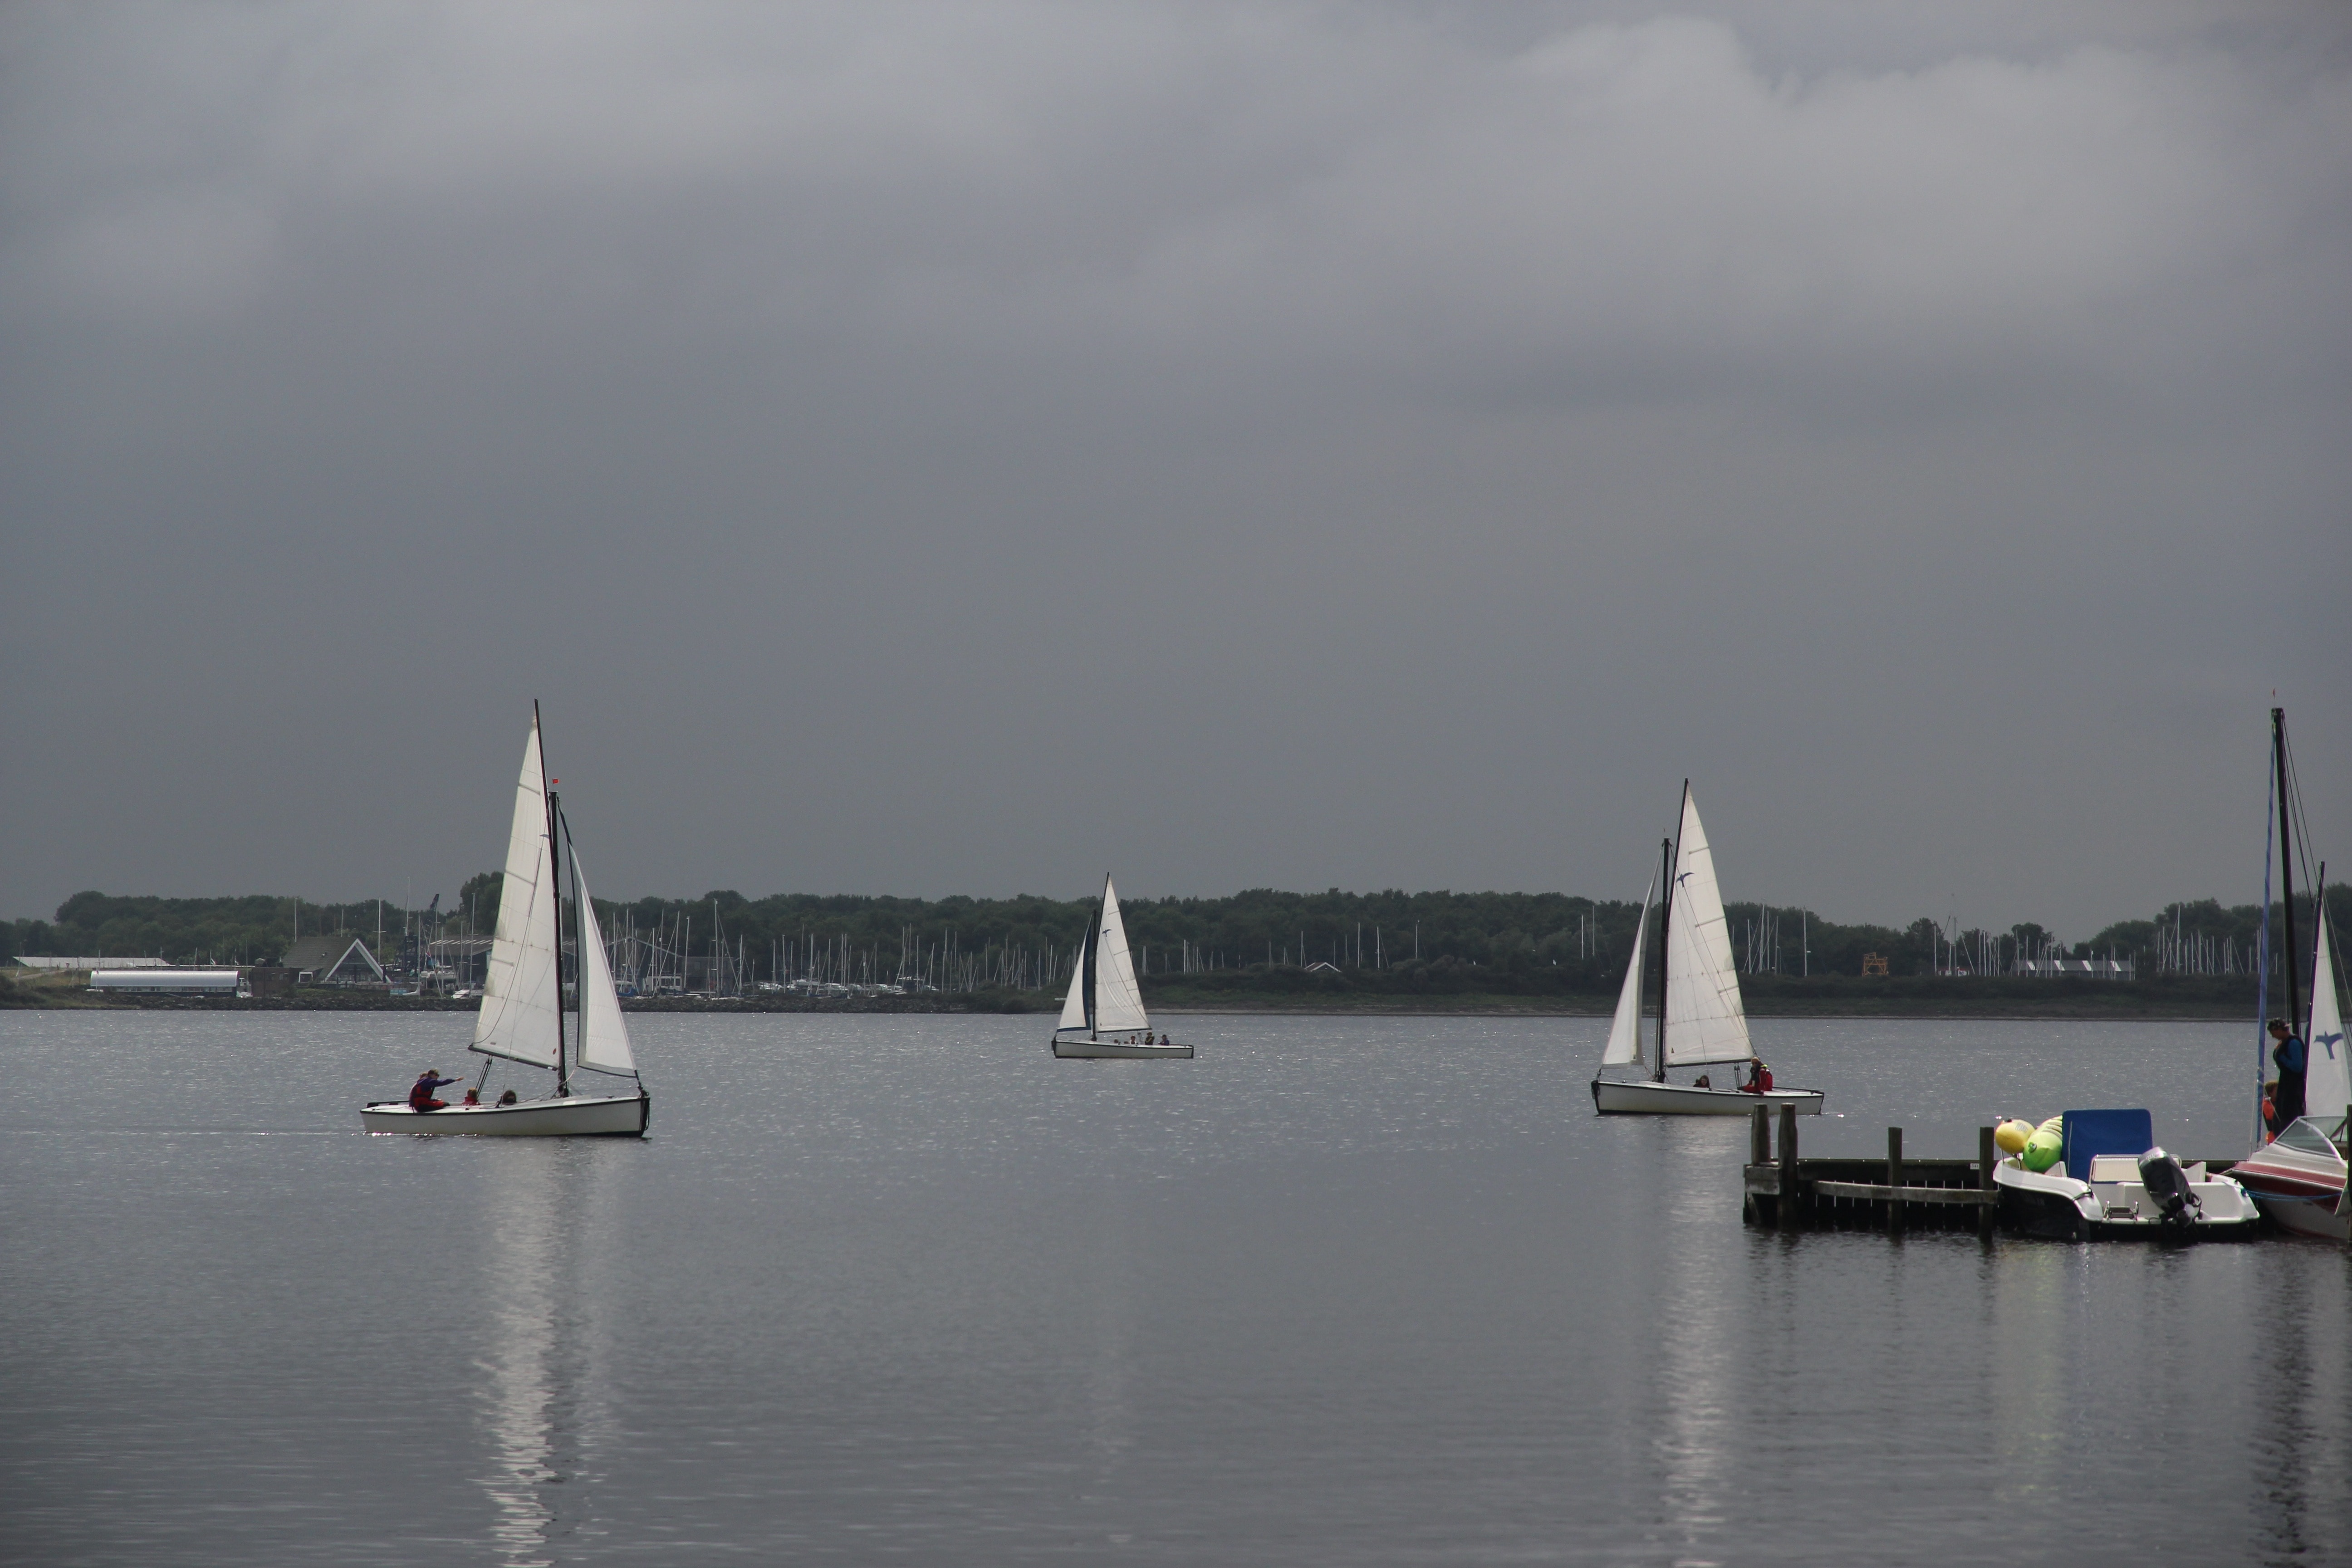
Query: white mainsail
[
  {"x": 604, "y": 1032},
  {"x": 1625, "y": 1030},
  {"x": 1073, "y": 1005},
  {"x": 1705, "y": 1019},
  {"x": 1118, "y": 1000},
  {"x": 2326, "y": 1087},
  {"x": 520, "y": 993}
]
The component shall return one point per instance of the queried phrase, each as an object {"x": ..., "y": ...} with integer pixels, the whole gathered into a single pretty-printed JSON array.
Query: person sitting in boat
[
  {"x": 473, "y": 1097},
  {"x": 420, "y": 1093},
  {"x": 2285, "y": 1093},
  {"x": 1704, "y": 1082},
  {"x": 508, "y": 1098},
  {"x": 1759, "y": 1077}
]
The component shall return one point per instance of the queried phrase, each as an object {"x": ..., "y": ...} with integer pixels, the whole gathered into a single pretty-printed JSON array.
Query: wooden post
[
  {"x": 1894, "y": 1179},
  {"x": 1759, "y": 1137},
  {"x": 1787, "y": 1202},
  {"x": 1986, "y": 1159}
]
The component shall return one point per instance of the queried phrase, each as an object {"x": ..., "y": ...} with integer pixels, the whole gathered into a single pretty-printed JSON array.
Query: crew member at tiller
[{"x": 420, "y": 1093}]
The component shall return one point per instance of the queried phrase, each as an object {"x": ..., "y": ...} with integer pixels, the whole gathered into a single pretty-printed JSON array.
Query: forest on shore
[{"x": 1259, "y": 947}]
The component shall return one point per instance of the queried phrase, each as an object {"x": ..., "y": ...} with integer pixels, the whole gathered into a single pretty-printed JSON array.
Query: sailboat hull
[
  {"x": 2298, "y": 1179},
  {"x": 605, "y": 1116},
  {"x": 1647, "y": 1097},
  {"x": 1104, "y": 1050}
]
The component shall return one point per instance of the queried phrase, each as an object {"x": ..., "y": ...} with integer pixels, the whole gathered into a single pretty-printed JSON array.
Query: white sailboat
[
  {"x": 521, "y": 1017},
  {"x": 1701, "y": 1019},
  {"x": 2326, "y": 1079},
  {"x": 1103, "y": 1015}
]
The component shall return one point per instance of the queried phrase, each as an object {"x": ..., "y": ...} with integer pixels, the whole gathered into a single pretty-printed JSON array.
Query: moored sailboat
[
  {"x": 2297, "y": 1175},
  {"x": 521, "y": 1016},
  {"x": 1701, "y": 1019},
  {"x": 1104, "y": 1016}
]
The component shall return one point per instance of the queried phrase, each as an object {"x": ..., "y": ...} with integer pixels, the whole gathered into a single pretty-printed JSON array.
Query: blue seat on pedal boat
[{"x": 2089, "y": 1134}]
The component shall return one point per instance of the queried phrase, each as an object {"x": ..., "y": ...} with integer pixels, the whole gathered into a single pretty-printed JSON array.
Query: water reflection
[
  {"x": 2033, "y": 1318},
  {"x": 1110, "y": 1417},
  {"x": 1701, "y": 1333},
  {"x": 543, "y": 1347},
  {"x": 2285, "y": 1433}
]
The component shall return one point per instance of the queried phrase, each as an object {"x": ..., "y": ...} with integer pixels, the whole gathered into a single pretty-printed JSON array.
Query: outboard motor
[{"x": 2167, "y": 1187}]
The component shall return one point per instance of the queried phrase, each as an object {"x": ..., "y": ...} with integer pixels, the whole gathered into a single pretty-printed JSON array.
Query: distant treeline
[{"x": 1544, "y": 940}]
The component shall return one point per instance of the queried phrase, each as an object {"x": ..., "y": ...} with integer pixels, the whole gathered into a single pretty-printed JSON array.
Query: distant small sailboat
[
  {"x": 1701, "y": 1019},
  {"x": 1103, "y": 1015},
  {"x": 521, "y": 1017}
]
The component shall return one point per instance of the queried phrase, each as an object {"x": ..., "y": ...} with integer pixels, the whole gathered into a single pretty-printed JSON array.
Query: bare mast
[{"x": 2286, "y": 857}]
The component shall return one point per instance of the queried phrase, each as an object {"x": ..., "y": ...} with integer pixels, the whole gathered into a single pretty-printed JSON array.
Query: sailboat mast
[
  {"x": 1665, "y": 905},
  {"x": 555, "y": 891},
  {"x": 2286, "y": 857},
  {"x": 1094, "y": 942}
]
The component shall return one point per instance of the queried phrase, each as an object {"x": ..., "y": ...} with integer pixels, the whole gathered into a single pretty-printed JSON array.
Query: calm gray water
[{"x": 1344, "y": 1291}]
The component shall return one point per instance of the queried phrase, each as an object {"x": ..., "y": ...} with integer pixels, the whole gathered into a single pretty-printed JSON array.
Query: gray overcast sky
[{"x": 968, "y": 447}]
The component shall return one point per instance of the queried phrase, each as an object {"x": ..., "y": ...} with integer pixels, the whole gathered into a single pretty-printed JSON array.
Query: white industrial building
[{"x": 168, "y": 981}]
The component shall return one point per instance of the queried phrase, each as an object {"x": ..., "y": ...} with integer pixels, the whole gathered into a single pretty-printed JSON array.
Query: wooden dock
[{"x": 1893, "y": 1195}]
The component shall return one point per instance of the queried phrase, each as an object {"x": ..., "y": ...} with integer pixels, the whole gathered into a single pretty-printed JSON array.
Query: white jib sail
[
  {"x": 520, "y": 993},
  {"x": 1625, "y": 1030},
  {"x": 1705, "y": 1019},
  {"x": 1118, "y": 1000},
  {"x": 1073, "y": 1005},
  {"x": 604, "y": 1032},
  {"x": 2326, "y": 1087}
]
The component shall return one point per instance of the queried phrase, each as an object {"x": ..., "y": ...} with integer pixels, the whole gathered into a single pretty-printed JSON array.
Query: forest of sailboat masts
[{"x": 724, "y": 944}]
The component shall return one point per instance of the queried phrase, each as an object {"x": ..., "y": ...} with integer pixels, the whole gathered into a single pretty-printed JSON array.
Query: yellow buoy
[{"x": 2010, "y": 1136}]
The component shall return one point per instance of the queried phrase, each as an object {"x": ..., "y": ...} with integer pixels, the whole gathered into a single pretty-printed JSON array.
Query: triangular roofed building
[{"x": 333, "y": 960}]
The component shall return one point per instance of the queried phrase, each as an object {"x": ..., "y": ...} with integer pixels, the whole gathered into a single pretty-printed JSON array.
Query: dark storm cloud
[{"x": 966, "y": 447}]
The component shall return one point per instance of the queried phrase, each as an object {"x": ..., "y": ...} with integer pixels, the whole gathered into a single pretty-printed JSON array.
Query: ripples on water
[{"x": 1370, "y": 1291}]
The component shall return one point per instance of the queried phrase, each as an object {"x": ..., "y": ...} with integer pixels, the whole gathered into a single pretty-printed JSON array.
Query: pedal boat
[{"x": 2115, "y": 1183}]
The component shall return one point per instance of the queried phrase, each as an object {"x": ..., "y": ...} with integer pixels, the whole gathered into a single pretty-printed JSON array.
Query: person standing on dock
[{"x": 2286, "y": 1092}]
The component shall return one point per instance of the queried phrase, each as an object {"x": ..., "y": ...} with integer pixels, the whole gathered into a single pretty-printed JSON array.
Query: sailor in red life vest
[
  {"x": 1759, "y": 1077},
  {"x": 420, "y": 1093}
]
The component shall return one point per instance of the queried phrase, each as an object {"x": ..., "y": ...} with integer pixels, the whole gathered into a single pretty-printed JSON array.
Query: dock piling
[
  {"x": 1786, "y": 1201},
  {"x": 1986, "y": 1157},
  {"x": 1894, "y": 1181}
]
